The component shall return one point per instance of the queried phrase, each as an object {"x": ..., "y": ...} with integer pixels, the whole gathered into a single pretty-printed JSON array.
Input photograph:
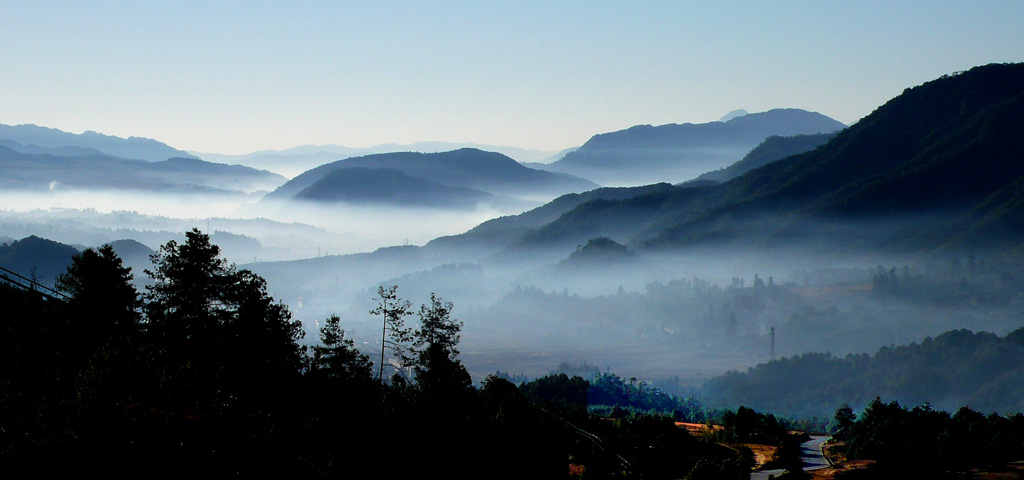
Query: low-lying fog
[
  {"x": 675, "y": 320},
  {"x": 91, "y": 218}
]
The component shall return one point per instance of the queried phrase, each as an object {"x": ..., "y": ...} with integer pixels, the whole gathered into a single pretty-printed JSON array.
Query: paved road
[{"x": 810, "y": 453}]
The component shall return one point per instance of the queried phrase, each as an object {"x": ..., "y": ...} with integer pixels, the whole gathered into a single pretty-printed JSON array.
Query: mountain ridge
[
  {"x": 470, "y": 168},
  {"x": 47, "y": 172},
  {"x": 295, "y": 160},
  {"x": 644, "y": 154},
  {"x": 910, "y": 164},
  {"x": 137, "y": 148}
]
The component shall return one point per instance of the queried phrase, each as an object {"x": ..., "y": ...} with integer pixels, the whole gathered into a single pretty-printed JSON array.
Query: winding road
[{"x": 810, "y": 453}]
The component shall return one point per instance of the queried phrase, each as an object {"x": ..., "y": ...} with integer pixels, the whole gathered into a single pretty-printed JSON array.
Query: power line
[{"x": 32, "y": 285}]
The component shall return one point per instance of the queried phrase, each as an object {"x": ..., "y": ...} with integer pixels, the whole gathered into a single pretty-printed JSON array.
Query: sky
[{"x": 237, "y": 77}]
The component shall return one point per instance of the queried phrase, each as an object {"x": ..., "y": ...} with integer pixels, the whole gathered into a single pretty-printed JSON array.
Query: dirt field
[
  {"x": 841, "y": 464},
  {"x": 699, "y": 429}
]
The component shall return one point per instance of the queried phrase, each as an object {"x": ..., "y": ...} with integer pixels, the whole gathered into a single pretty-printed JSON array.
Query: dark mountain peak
[
  {"x": 37, "y": 257},
  {"x": 599, "y": 251}
]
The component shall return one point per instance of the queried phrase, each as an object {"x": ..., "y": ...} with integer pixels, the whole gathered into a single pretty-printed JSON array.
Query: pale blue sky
[{"x": 234, "y": 77}]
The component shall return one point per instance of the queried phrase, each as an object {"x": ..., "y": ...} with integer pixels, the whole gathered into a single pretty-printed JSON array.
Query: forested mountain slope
[
  {"x": 771, "y": 149},
  {"x": 956, "y": 368}
]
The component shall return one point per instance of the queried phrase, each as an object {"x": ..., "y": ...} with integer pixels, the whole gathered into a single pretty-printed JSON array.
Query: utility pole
[
  {"x": 383, "y": 338},
  {"x": 773, "y": 344}
]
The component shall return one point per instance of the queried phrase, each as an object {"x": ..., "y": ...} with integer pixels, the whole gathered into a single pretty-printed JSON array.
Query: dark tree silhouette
[
  {"x": 221, "y": 335},
  {"x": 437, "y": 367},
  {"x": 337, "y": 359},
  {"x": 100, "y": 292},
  {"x": 394, "y": 333}
]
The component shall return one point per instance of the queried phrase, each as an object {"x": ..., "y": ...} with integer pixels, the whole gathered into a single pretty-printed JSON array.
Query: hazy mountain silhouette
[
  {"x": 933, "y": 164},
  {"x": 131, "y": 251},
  {"x": 293, "y": 161},
  {"x": 733, "y": 114},
  {"x": 550, "y": 159},
  {"x": 385, "y": 186},
  {"x": 55, "y": 151},
  {"x": 646, "y": 154},
  {"x": 45, "y": 171},
  {"x": 771, "y": 149},
  {"x": 140, "y": 148},
  {"x": 499, "y": 232},
  {"x": 468, "y": 167}
]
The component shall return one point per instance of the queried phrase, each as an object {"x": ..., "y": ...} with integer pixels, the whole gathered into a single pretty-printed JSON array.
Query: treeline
[
  {"x": 955, "y": 368},
  {"x": 927, "y": 442},
  {"x": 613, "y": 400},
  {"x": 842, "y": 310},
  {"x": 203, "y": 376},
  {"x": 609, "y": 395},
  {"x": 970, "y": 282},
  {"x": 613, "y": 394}
]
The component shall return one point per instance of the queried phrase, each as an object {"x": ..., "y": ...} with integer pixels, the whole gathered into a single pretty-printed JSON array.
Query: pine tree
[
  {"x": 101, "y": 294},
  {"x": 437, "y": 367},
  {"x": 220, "y": 334}
]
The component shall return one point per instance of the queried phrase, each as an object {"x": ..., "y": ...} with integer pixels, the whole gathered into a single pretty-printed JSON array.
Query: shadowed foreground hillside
[{"x": 204, "y": 376}]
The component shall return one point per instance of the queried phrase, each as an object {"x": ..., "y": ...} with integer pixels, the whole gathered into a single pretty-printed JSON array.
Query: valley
[{"x": 779, "y": 261}]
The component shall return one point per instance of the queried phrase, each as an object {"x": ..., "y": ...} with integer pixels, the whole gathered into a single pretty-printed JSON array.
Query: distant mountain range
[
  {"x": 293, "y": 161},
  {"x": 45, "y": 171},
  {"x": 465, "y": 173},
  {"x": 646, "y": 154},
  {"x": 932, "y": 168},
  {"x": 36, "y": 139}
]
